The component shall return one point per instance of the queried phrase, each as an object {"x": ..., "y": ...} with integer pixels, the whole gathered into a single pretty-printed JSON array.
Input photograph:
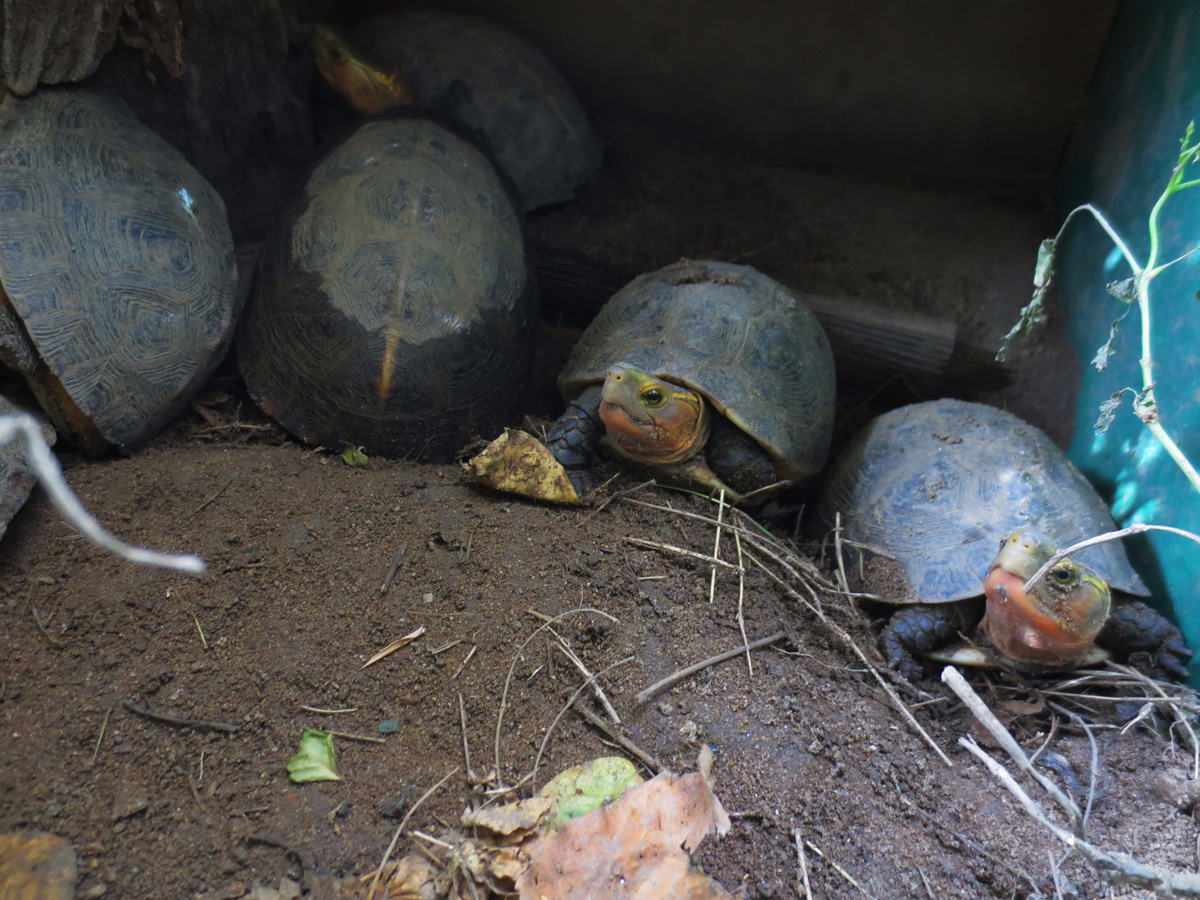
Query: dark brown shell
[
  {"x": 403, "y": 232},
  {"x": 742, "y": 339},
  {"x": 116, "y": 255},
  {"x": 488, "y": 80},
  {"x": 937, "y": 486}
]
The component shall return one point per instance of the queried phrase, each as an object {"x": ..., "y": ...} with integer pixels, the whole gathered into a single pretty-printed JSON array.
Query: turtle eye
[
  {"x": 336, "y": 53},
  {"x": 653, "y": 397},
  {"x": 1062, "y": 575}
]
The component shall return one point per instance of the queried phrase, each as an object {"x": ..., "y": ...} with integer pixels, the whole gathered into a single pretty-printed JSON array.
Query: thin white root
[
  {"x": 50, "y": 476},
  {"x": 1119, "y": 868}
]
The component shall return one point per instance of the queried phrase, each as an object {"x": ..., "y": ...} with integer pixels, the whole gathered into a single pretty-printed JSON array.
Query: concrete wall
[{"x": 949, "y": 91}]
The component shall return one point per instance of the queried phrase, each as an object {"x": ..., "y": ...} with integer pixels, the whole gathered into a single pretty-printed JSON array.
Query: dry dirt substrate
[{"x": 298, "y": 544}]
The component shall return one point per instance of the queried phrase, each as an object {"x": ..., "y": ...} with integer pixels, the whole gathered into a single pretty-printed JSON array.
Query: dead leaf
[
  {"x": 394, "y": 646},
  {"x": 36, "y": 866},
  {"x": 518, "y": 463},
  {"x": 411, "y": 879},
  {"x": 631, "y": 850},
  {"x": 1023, "y": 708},
  {"x": 523, "y": 815}
]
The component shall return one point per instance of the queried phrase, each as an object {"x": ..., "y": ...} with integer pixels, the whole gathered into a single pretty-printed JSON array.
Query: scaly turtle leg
[
  {"x": 573, "y": 437},
  {"x": 1133, "y": 627},
  {"x": 923, "y": 627}
]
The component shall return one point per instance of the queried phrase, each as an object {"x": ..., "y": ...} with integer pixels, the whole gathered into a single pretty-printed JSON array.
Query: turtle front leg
[
  {"x": 573, "y": 437},
  {"x": 1133, "y": 627},
  {"x": 923, "y": 627}
]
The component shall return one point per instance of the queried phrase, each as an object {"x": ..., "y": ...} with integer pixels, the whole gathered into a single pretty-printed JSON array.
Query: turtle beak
[{"x": 1055, "y": 622}]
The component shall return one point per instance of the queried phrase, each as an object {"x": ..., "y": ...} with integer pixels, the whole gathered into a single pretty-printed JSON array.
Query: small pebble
[
  {"x": 391, "y": 726},
  {"x": 96, "y": 890}
]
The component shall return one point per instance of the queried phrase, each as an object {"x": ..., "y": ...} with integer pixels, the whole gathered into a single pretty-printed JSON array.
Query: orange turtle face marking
[
  {"x": 649, "y": 420},
  {"x": 1057, "y": 621},
  {"x": 371, "y": 86}
]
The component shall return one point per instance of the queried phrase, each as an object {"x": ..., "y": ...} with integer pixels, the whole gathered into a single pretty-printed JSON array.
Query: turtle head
[
  {"x": 1055, "y": 623},
  {"x": 649, "y": 420},
  {"x": 372, "y": 86}
]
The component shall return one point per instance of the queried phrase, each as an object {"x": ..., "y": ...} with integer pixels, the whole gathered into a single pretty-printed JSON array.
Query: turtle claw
[
  {"x": 923, "y": 627},
  {"x": 1172, "y": 657}
]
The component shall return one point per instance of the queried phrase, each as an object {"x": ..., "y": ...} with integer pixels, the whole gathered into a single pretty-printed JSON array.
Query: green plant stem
[
  {"x": 1143, "y": 276},
  {"x": 1175, "y": 453}
]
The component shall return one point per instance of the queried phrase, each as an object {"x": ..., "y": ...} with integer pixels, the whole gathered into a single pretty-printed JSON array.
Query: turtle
[
  {"x": 117, "y": 268},
  {"x": 392, "y": 307},
  {"x": 494, "y": 85},
  {"x": 706, "y": 371},
  {"x": 937, "y": 487}
]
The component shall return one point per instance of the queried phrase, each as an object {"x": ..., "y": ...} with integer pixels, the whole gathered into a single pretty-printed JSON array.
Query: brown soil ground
[{"x": 298, "y": 544}]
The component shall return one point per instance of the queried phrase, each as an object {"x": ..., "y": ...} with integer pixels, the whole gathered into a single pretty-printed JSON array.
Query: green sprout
[{"x": 355, "y": 456}]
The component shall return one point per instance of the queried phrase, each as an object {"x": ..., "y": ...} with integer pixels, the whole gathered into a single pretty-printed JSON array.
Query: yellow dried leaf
[
  {"x": 523, "y": 815},
  {"x": 518, "y": 463},
  {"x": 36, "y": 866}
]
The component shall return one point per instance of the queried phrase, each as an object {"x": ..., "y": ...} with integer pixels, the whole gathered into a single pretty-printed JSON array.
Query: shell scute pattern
[
  {"x": 937, "y": 485},
  {"x": 402, "y": 234},
  {"x": 126, "y": 288}
]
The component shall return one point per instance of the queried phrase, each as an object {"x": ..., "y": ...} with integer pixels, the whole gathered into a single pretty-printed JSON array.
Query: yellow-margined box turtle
[{"x": 970, "y": 500}]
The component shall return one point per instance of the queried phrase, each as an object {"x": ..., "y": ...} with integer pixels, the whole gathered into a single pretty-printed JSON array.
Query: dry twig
[
  {"x": 648, "y": 760},
  {"x": 570, "y": 701},
  {"x": 679, "y": 551},
  {"x": 1120, "y": 868},
  {"x": 513, "y": 666},
  {"x": 179, "y": 721},
  {"x": 649, "y": 692},
  {"x": 100, "y": 739},
  {"x": 803, "y": 862},
  {"x": 400, "y": 828},
  {"x": 849, "y": 641},
  {"x": 586, "y": 673}
]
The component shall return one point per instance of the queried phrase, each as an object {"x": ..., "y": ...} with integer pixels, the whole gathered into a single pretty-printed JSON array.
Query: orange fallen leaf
[{"x": 633, "y": 849}]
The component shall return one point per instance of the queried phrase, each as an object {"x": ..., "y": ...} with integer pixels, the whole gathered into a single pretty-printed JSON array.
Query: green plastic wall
[{"x": 1145, "y": 91}]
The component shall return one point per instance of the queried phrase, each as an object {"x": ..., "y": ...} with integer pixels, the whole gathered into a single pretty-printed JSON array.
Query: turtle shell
[
  {"x": 489, "y": 81},
  {"x": 393, "y": 307},
  {"x": 116, "y": 256},
  {"x": 743, "y": 340},
  {"x": 936, "y": 486}
]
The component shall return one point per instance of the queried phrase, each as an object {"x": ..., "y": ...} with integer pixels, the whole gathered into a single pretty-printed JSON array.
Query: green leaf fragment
[
  {"x": 580, "y": 789},
  {"x": 314, "y": 759}
]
